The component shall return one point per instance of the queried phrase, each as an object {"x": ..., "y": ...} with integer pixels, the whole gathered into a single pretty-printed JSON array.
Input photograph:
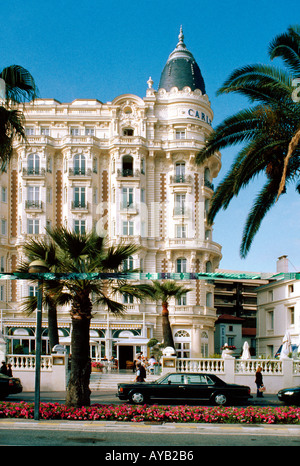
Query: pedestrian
[
  {"x": 3, "y": 368},
  {"x": 140, "y": 373},
  {"x": 259, "y": 382},
  {"x": 9, "y": 370}
]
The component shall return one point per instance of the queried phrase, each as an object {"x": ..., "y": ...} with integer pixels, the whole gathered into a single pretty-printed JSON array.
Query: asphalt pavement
[{"x": 109, "y": 397}]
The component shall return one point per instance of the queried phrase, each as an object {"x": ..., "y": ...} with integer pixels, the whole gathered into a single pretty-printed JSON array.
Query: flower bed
[{"x": 131, "y": 413}]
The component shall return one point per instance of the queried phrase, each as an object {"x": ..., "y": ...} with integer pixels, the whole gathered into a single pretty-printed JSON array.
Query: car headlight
[{"x": 289, "y": 392}]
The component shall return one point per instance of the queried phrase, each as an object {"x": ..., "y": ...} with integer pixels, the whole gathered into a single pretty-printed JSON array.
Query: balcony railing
[
  {"x": 79, "y": 205},
  {"x": 33, "y": 205}
]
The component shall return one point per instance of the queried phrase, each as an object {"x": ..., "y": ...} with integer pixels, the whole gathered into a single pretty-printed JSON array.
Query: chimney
[{"x": 282, "y": 264}]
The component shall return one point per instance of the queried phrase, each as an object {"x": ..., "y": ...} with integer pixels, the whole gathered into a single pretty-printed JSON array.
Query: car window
[
  {"x": 174, "y": 378},
  {"x": 199, "y": 379}
]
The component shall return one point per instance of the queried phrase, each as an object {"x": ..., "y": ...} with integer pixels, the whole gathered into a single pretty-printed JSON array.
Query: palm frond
[
  {"x": 20, "y": 84},
  {"x": 287, "y": 47}
]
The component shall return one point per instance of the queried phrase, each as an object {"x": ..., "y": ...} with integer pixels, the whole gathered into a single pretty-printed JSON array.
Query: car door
[
  {"x": 171, "y": 387},
  {"x": 198, "y": 386}
]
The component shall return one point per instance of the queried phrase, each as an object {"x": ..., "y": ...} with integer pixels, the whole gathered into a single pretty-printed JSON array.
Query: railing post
[{"x": 229, "y": 369}]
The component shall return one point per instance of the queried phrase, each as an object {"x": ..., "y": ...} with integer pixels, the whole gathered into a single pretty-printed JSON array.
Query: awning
[{"x": 131, "y": 341}]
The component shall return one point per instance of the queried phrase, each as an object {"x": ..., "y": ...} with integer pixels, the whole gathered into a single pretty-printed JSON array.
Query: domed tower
[
  {"x": 180, "y": 121},
  {"x": 181, "y": 69}
]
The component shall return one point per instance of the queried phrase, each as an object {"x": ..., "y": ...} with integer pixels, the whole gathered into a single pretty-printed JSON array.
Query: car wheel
[
  {"x": 137, "y": 398},
  {"x": 220, "y": 399}
]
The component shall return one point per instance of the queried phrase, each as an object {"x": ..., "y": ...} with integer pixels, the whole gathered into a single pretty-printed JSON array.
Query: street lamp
[{"x": 38, "y": 266}]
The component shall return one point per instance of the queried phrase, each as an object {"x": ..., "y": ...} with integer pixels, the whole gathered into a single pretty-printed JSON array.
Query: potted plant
[{"x": 97, "y": 366}]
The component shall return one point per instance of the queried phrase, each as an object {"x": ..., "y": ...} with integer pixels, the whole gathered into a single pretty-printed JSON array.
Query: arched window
[
  {"x": 127, "y": 165},
  {"x": 182, "y": 341},
  {"x": 181, "y": 265},
  {"x": 33, "y": 167},
  {"x": 79, "y": 164}
]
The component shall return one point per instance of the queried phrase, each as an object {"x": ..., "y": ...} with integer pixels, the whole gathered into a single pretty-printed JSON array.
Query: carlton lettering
[{"x": 201, "y": 115}]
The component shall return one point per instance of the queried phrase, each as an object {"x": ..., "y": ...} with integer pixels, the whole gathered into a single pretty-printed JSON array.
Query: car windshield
[{"x": 3, "y": 376}]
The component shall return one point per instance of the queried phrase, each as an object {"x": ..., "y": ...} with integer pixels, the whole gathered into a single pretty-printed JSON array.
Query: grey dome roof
[{"x": 181, "y": 70}]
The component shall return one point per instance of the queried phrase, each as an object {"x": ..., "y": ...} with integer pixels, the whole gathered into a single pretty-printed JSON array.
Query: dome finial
[{"x": 181, "y": 36}]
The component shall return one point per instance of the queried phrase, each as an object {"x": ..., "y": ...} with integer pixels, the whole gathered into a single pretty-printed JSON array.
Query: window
[
  {"x": 33, "y": 167},
  {"x": 74, "y": 131},
  {"x": 182, "y": 341},
  {"x": 79, "y": 164},
  {"x": 291, "y": 289},
  {"x": 45, "y": 131},
  {"x": 291, "y": 315},
  {"x": 179, "y": 204},
  {"x": 180, "y": 231},
  {"x": 180, "y": 134},
  {"x": 127, "y": 165},
  {"x": 33, "y": 197},
  {"x": 143, "y": 166},
  {"x": 127, "y": 198},
  {"x": 128, "y": 132},
  {"x": 79, "y": 226},
  {"x": 32, "y": 290},
  {"x": 209, "y": 299},
  {"x": 33, "y": 226},
  {"x": 3, "y": 227},
  {"x": 270, "y": 320},
  {"x": 181, "y": 301},
  {"x": 2, "y": 262},
  {"x": 180, "y": 172},
  {"x": 204, "y": 344},
  {"x": 208, "y": 267},
  {"x": 79, "y": 197},
  {"x": 127, "y": 299},
  {"x": 29, "y": 130},
  {"x": 90, "y": 131},
  {"x": 181, "y": 265},
  {"x": 128, "y": 263},
  {"x": 4, "y": 194},
  {"x": 128, "y": 228}
]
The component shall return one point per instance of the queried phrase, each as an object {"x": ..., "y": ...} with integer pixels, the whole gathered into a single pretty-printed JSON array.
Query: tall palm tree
[
  {"x": 19, "y": 87},
  {"x": 164, "y": 291},
  {"x": 87, "y": 253},
  {"x": 269, "y": 132}
]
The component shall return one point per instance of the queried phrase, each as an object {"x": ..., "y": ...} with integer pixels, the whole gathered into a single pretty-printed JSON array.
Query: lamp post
[{"x": 38, "y": 266}]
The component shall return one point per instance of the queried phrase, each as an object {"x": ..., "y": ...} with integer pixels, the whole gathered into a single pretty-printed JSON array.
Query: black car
[
  {"x": 184, "y": 386},
  {"x": 9, "y": 385},
  {"x": 290, "y": 396}
]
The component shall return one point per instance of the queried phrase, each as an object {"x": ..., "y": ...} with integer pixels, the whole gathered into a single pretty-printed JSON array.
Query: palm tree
[
  {"x": 164, "y": 291},
  {"x": 45, "y": 250},
  {"x": 19, "y": 87},
  {"x": 269, "y": 132},
  {"x": 87, "y": 253}
]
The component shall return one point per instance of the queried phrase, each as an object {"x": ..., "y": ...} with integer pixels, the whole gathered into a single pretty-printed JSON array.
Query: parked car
[
  {"x": 9, "y": 385},
  {"x": 290, "y": 396},
  {"x": 184, "y": 386}
]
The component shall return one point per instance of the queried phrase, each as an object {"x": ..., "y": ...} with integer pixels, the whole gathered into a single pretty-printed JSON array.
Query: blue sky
[{"x": 101, "y": 49}]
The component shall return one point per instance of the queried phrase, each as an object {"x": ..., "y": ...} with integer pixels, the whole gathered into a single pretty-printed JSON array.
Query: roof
[
  {"x": 230, "y": 319},
  {"x": 181, "y": 70}
]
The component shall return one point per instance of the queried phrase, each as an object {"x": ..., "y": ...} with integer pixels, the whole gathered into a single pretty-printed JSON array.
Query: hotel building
[{"x": 127, "y": 169}]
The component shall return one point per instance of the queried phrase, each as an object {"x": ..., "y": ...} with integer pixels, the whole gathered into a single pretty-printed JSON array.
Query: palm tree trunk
[
  {"x": 52, "y": 326},
  {"x": 166, "y": 327},
  {"x": 78, "y": 391}
]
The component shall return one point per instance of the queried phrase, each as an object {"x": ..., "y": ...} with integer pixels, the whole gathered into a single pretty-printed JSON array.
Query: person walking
[
  {"x": 3, "y": 369},
  {"x": 9, "y": 370},
  {"x": 140, "y": 373},
  {"x": 259, "y": 382}
]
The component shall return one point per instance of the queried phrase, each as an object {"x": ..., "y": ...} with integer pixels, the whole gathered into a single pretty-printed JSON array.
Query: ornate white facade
[{"x": 126, "y": 168}]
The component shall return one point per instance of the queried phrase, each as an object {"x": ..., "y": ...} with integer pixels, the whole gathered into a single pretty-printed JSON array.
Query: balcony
[
  {"x": 33, "y": 172},
  {"x": 79, "y": 172},
  {"x": 33, "y": 205},
  {"x": 81, "y": 206}
]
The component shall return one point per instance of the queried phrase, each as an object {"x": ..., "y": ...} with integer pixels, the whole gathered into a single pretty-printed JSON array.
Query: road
[{"x": 110, "y": 435}]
